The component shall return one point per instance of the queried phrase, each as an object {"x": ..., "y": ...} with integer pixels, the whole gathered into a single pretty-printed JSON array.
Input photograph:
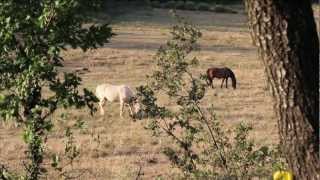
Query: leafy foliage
[
  {"x": 202, "y": 146},
  {"x": 169, "y": 4},
  {"x": 32, "y": 36},
  {"x": 190, "y": 5},
  {"x": 5, "y": 174},
  {"x": 203, "y": 7}
]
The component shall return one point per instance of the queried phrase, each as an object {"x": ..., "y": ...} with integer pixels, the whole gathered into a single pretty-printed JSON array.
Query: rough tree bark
[{"x": 286, "y": 36}]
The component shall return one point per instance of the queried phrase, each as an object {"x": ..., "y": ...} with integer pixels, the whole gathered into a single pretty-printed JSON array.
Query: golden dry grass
[{"x": 125, "y": 145}]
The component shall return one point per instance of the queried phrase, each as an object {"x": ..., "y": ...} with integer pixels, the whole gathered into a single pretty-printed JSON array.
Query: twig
[
  {"x": 139, "y": 173},
  {"x": 183, "y": 144},
  {"x": 222, "y": 156}
]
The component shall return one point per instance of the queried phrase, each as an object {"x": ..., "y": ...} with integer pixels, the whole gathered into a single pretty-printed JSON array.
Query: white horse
[{"x": 115, "y": 93}]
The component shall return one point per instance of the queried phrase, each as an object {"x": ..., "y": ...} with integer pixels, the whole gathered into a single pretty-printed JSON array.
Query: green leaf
[{"x": 27, "y": 136}]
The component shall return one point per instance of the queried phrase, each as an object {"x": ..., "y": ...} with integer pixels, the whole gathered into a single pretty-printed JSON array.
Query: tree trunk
[{"x": 286, "y": 36}]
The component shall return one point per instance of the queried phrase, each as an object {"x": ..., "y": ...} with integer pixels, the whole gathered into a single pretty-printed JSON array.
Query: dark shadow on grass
[
  {"x": 136, "y": 45},
  {"x": 140, "y": 13}
]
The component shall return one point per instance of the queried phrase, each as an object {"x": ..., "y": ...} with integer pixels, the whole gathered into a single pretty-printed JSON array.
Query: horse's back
[
  {"x": 216, "y": 72},
  {"x": 107, "y": 91}
]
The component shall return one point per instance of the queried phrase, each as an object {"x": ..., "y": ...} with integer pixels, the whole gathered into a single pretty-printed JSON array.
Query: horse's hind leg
[
  {"x": 211, "y": 83},
  {"x": 101, "y": 103}
]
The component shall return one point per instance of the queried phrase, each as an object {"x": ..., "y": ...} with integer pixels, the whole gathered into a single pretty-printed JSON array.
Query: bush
[
  {"x": 180, "y": 5},
  {"x": 190, "y": 5},
  {"x": 203, "y": 7},
  {"x": 169, "y": 4},
  {"x": 204, "y": 148},
  {"x": 30, "y": 72},
  {"x": 222, "y": 9},
  {"x": 147, "y": 2},
  {"x": 227, "y": 1},
  {"x": 155, "y": 4}
]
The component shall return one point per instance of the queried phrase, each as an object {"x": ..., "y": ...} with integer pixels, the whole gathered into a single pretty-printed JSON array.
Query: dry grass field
[{"x": 115, "y": 148}]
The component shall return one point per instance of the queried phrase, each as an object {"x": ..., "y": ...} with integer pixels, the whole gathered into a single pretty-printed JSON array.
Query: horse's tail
[
  {"x": 208, "y": 79},
  {"x": 208, "y": 72},
  {"x": 233, "y": 78}
]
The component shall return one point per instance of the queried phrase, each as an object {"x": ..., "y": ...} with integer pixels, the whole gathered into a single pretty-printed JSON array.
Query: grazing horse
[
  {"x": 219, "y": 73},
  {"x": 114, "y": 93}
]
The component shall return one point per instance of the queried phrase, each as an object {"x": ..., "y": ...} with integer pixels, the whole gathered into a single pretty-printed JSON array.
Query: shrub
[
  {"x": 147, "y": 2},
  {"x": 190, "y": 5},
  {"x": 203, "y": 7},
  {"x": 222, "y": 9},
  {"x": 169, "y": 4},
  {"x": 8, "y": 175},
  {"x": 203, "y": 147},
  {"x": 180, "y": 5},
  {"x": 32, "y": 42},
  {"x": 227, "y": 1},
  {"x": 155, "y": 4}
]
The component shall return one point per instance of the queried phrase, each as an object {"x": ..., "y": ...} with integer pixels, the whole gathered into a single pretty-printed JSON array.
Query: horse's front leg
[
  {"x": 121, "y": 108},
  {"x": 222, "y": 82},
  {"x": 227, "y": 82},
  {"x": 130, "y": 108}
]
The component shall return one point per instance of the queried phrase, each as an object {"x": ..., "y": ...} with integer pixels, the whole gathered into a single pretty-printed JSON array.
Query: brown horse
[{"x": 219, "y": 73}]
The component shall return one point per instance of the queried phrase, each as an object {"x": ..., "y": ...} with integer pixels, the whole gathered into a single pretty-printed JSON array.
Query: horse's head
[
  {"x": 234, "y": 84},
  {"x": 136, "y": 105},
  {"x": 233, "y": 78}
]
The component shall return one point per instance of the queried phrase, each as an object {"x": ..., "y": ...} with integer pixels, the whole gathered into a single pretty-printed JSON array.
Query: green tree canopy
[{"x": 32, "y": 35}]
